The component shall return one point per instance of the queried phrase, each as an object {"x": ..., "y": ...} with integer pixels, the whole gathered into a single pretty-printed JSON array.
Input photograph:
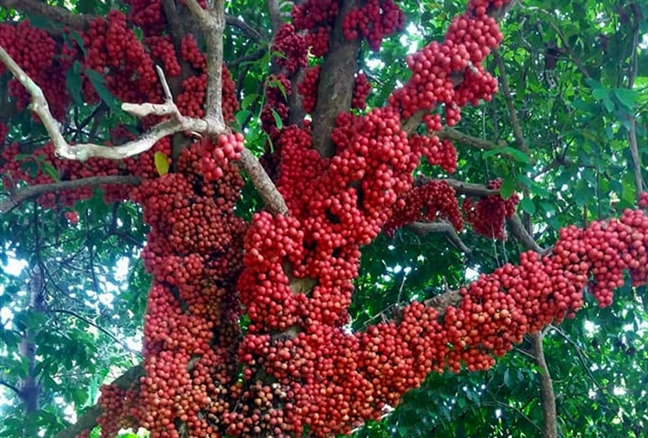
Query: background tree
[{"x": 295, "y": 236}]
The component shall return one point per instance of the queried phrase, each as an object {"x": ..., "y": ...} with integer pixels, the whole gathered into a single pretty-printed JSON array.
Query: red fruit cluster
[
  {"x": 292, "y": 46},
  {"x": 361, "y": 89},
  {"x": 373, "y": 21},
  {"x": 34, "y": 50},
  {"x": 192, "y": 54},
  {"x": 438, "y": 152},
  {"x": 308, "y": 88},
  {"x": 4, "y": 130},
  {"x": 276, "y": 105},
  {"x": 217, "y": 155},
  {"x": 487, "y": 215},
  {"x": 114, "y": 51},
  {"x": 191, "y": 101},
  {"x": 162, "y": 48},
  {"x": 428, "y": 202},
  {"x": 148, "y": 15},
  {"x": 72, "y": 217},
  {"x": 434, "y": 80},
  {"x": 643, "y": 200},
  {"x": 316, "y": 18},
  {"x": 118, "y": 407},
  {"x": 190, "y": 335}
]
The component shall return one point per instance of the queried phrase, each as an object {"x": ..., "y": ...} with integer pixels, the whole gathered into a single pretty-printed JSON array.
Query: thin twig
[
  {"x": 98, "y": 327},
  {"x": 517, "y": 130},
  {"x": 476, "y": 142},
  {"x": 10, "y": 386},
  {"x": 30, "y": 192}
]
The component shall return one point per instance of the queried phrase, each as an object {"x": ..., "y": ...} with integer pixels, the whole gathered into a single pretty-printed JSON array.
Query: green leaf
[
  {"x": 161, "y": 163},
  {"x": 627, "y": 97},
  {"x": 249, "y": 100},
  {"x": 277, "y": 119},
  {"x": 508, "y": 187},
  {"x": 50, "y": 171},
  {"x": 600, "y": 93},
  {"x": 507, "y": 150},
  {"x": 547, "y": 207},
  {"x": 609, "y": 105},
  {"x": 241, "y": 117},
  {"x": 99, "y": 84},
  {"x": 73, "y": 83},
  {"x": 528, "y": 206},
  {"x": 274, "y": 82}
]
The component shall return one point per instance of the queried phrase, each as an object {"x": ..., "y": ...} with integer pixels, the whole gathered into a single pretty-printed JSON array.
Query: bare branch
[
  {"x": 16, "y": 198},
  {"x": 335, "y": 88},
  {"x": 521, "y": 234},
  {"x": 248, "y": 30},
  {"x": 88, "y": 420},
  {"x": 83, "y": 152},
  {"x": 470, "y": 189},
  {"x": 447, "y": 299},
  {"x": 54, "y": 13}
]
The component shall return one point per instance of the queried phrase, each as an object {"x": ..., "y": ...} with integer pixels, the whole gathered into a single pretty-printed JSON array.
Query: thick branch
[
  {"x": 212, "y": 24},
  {"x": 88, "y": 420},
  {"x": 425, "y": 228},
  {"x": 268, "y": 191},
  {"x": 335, "y": 88},
  {"x": 248, "y": 30},
  {"x": 522, "y": 235},
  {"x": 470, "y": 189},
  {"x": 476, "y": 142},
  {"x": 213, "y": 125},
  {"x": 54, "y": 13},
  {"x": 16, "y": 198},
  {"x": 275, "y": 15},
  {"x": 547, "y": 396}
]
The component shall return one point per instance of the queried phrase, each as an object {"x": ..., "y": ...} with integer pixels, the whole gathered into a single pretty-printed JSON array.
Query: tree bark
[{"x": 547, "y": 396}]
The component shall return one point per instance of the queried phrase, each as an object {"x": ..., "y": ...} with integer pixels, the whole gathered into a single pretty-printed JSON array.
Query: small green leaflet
[
  {"x": 249, "y": 100},
  {"x": 274, "y": 82},
  {"x": 626, "y": 97},
  {"x": 50, "y": 171},
  {"x": 161, "y": 163},
  {"x": 277, "y": 119},
  {"x": 508, "y": 187},
  {"x": 241, "y": 116},
  {"x": 528, "y": 206}
]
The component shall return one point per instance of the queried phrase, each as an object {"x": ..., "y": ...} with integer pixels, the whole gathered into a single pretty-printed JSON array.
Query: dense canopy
[{"x": 323, "y": 217}]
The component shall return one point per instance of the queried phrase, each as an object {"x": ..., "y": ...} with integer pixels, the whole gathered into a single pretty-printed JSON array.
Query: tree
[{"x": 260, "y": 317}]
